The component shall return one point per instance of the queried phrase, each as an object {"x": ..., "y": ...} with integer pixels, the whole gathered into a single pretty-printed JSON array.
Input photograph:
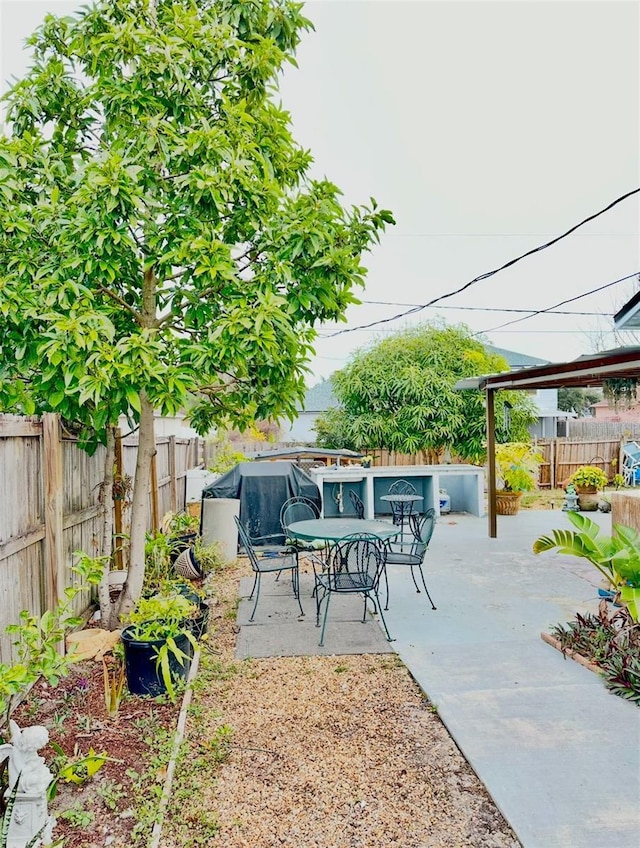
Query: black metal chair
[
  {"x": 357, "y": 503},
  {"x": 299, "y": 508},
  {"x": 354, "y": 566},
  {"x": 269, "y": 563},
  {"x": 422, "y": 529},
  {"x": 400, "y": 511}
]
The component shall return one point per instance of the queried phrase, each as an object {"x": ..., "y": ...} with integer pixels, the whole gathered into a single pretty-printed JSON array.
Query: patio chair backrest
[
  {"x": 355, "y": 560},
  {"x": 245, "y": 542},
  {"x": 422, "y": 526},
  {"x": 357, "y": 503},
  {"x": 297, "y": 509},
  {"x": 402, "y": 487},
  {"x": 631, "y": 452}
]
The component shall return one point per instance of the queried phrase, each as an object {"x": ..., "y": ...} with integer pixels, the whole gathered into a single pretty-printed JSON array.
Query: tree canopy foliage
[
  {"x": 578, "y": 400},
  {"x": 161, "y": 243},
  {"x": 399, "y": 394}
]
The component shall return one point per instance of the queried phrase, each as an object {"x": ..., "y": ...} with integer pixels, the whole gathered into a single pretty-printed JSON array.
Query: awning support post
[{"x": 491, "y": 463}]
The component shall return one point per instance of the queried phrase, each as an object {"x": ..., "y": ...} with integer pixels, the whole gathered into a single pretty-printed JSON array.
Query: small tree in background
[
  {"x": 399, "y": 395},
  {"x": 578, "y": 400},
  {"x": 161, "y": 246}
]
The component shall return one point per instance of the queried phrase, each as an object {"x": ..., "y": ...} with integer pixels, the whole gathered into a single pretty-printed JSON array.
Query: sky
[{"x": 488, "y": 129}]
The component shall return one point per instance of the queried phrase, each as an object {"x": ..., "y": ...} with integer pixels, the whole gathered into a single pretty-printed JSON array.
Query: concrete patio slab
[
  {"x": 278, "y": 629},
  {"x": 559, "y": 754}
]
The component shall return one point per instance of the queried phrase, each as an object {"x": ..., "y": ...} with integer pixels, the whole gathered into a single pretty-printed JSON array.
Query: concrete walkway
[{"x": 559, "y": 755}]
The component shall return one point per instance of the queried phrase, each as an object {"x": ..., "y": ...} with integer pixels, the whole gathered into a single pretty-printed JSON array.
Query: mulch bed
[{"x": 75, "y": 714}]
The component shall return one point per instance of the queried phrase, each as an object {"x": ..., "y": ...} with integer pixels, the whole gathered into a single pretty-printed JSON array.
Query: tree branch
[{"x": 120, "y": 300}]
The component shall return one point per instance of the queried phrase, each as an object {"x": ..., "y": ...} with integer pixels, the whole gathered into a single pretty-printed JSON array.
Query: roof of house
[
  {"x": 586, "y": 371},
  {"x": 320, "y": 398},
  {"x": 514, "y": 359}
]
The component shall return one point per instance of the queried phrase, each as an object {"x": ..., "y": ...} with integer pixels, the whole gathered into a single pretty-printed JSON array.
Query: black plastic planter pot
[
  {"x": 200, "y": 623},
  {"x": 144, "y": 676}
]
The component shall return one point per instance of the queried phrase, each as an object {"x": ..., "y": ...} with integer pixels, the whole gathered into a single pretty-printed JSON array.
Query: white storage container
[{"x": 218, "y": 525}]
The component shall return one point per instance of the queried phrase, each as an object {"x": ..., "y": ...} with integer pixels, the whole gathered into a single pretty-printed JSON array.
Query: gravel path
[{"x": 320, "y": 752}]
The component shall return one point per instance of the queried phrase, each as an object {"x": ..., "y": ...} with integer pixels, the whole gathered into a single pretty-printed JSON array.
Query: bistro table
[
  {"x": 402, "y": 508},
  {"x": 332, "y": 529}
]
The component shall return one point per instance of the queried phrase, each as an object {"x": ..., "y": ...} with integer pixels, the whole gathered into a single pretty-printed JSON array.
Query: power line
[
  {"x": 488, "y": 274},
  {"x": 562, "y": 303},
  {"x": 531, "y": 313},
  {"x": 477, "y": 308}
]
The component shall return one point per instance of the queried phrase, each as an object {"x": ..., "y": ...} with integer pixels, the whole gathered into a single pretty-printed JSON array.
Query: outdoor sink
[{"x": 344, "y": 478}]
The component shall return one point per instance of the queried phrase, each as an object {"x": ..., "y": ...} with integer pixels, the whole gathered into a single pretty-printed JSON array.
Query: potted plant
[
  {"x": 517, "y": 466},
  {"x": 616, "y": 557},
  {"x": 588, "y": 481},
  {"x": 158, "y": 644},
  {"x": 182, "y": 531}
]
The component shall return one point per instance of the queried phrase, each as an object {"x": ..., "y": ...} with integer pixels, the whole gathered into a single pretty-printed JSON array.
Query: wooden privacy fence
[
  {"x": 594, "y": 430},
  {"x": 51, "y": 508},
  {"x": 564, "y": 456}
]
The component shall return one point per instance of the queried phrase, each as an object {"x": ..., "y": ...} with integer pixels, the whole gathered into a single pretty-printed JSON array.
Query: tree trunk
[
  {"x": 139, "y": 507},
  {"x": 106, "y": 542}
]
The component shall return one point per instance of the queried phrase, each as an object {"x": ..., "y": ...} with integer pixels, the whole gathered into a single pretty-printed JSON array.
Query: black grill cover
[{"x": 262, "y": 488}]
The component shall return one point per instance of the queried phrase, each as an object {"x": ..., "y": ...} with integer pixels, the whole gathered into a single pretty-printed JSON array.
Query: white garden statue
[{"x": 28, "y": 769}]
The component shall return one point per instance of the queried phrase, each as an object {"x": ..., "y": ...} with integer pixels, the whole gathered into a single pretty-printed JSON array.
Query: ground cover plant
[
  {"x": 610, "y": 640},
  {"x": 117, "y": 803}
]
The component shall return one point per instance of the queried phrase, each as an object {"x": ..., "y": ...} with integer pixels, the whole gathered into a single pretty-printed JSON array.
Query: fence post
[
  {"x": 53, "y": 509},
  {"x": 552, "y": 466},
  {"x": 173, "y": 485}
]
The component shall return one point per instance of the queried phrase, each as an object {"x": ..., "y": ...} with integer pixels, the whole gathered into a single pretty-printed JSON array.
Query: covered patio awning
[{"x": 590, "y": 370}]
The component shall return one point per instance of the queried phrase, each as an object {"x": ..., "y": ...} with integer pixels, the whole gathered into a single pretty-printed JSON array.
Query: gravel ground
[{"x": 320, "y": 752}]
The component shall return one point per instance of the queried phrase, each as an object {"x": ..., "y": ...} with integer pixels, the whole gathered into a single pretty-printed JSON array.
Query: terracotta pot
[
  {"x": 588, "y": 498},
  {"x": 508, "y": 503}
]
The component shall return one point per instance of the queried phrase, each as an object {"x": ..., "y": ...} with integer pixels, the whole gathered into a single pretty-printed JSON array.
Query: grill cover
[{"x": 262, "y": 488}]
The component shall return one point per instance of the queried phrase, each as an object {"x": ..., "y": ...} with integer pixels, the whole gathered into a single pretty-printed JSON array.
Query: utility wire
[
  {"x": 530, "y": 313},
  {"x": 556, "y": 305},
  {"x": 477, "y": 308},
  {"x": 488, "y": 274}
]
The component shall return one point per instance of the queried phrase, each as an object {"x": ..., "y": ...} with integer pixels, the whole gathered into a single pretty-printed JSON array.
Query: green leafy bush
[
  {"x": 517, "y": 466},
  {"x": 589, "y": 477}
]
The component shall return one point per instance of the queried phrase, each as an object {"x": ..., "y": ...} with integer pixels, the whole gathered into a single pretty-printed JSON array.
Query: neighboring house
[
  {"x": 602, "y": 411},
  {"x": 550, "y": 422},
  {"x": 165, "y": 425},
  {"x": 317, "y": 400}
]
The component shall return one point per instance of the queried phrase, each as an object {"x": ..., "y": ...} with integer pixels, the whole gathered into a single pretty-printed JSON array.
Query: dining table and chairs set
[{"x": 349, "y": 555}]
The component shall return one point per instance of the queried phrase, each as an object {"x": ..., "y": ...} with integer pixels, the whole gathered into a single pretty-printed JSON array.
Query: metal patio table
[
  {"x": 404, "y": 508},
  {"x": 332, "y": 529}
]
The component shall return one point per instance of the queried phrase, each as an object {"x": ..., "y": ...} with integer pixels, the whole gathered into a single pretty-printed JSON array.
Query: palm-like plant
[{"x": 616, "y": 557}]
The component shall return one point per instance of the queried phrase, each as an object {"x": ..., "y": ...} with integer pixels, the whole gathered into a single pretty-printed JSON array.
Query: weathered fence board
[
  {"x": 564, "y": 456},
  {"x": 51, "y": 510},
  {"x": 578, "y": 429}
]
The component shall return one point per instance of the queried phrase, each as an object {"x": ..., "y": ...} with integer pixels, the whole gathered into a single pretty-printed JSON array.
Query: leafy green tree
[
  {"x": 578, "y": 400},
  {"x": 399, "y": 395},
  {"x": 161, "y": 244}
]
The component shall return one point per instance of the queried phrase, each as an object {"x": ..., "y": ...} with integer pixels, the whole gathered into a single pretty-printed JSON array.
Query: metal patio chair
[
  {"x": 269, "y": 563},
  {"x": 400, "y": 512},
  {"x": 299, "y": 508},
  {"x": 422, "y": 529},
  {"x": 357, "y": 504},
  {"x": 631, "y": 463},
  {"x": 354, "y": 566}
]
